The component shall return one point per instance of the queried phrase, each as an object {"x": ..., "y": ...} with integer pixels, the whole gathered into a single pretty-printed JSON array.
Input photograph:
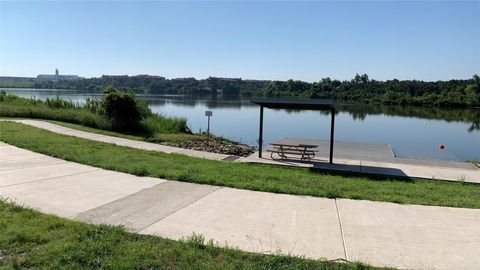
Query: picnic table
[{"x": 281, "y": 149}]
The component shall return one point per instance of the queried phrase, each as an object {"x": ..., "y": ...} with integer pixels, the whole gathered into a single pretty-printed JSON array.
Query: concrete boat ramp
[
  {"x": 377, "y": 159},
  {"x": 381, "y": 234},
  {"x": 372, "y": 152}
]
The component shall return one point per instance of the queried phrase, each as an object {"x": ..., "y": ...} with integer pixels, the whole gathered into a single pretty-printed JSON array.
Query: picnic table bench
[{"x": 280, "y": 150}]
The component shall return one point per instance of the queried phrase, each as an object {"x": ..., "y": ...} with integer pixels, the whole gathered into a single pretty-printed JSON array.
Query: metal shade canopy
[{"x": 295, "y": 104}]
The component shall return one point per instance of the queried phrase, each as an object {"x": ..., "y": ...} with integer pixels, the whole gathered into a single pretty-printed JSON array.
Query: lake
[{"x": 411, "y": 131}]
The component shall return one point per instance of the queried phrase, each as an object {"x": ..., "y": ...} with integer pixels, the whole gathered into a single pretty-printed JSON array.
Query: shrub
[{"x": 123, "y": 109}]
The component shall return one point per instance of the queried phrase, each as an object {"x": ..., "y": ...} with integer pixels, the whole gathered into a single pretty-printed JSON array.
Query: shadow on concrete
[
  {"x": 322, "y": 166},
  {"x": 373, "y": 173}
]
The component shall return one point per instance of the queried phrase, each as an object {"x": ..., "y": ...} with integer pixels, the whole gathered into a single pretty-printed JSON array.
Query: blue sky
[{"x": 258, "y": 40}]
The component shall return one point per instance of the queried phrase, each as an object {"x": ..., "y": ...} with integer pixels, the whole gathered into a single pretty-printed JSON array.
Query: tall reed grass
[{"x": 87, "y": 115}]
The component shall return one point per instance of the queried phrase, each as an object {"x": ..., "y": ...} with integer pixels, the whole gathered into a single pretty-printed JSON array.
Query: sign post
[{"x": 208, "y": 114}]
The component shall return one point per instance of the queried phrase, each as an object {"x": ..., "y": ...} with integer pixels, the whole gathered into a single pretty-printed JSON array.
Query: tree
[
  {"x": 361, "y": 78},
  {"x": 476, "y": 79},
  {"x": 472, "y": 92},
  {"x": 471, "y": 95}
]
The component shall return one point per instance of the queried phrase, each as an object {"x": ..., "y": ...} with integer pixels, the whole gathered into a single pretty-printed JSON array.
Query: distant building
[
  {"x": 140, "y": 76},
  {"x": 222, "y": 79},
  {"x": 225, "y": 79},
  {"x": 114, "y": 76},
  {"x": 184, "y": 79},
  {"x": 57, "y": 77},
  {"x": 257, "y": 81},
  {"x": 146, "y": 76}
]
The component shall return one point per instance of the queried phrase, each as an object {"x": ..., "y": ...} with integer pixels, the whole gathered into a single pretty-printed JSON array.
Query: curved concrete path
[
  {"x": 117, "y": 140},
  {"x": 413, "y": 169},
  {"x": 382, "y": 234}
]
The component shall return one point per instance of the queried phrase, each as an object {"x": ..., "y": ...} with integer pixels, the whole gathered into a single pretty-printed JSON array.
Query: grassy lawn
[
  {"x": 31, "y": 240},
  {"x": 238, "y": 175}
]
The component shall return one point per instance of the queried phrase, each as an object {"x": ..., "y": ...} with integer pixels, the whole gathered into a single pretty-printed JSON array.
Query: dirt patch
[
  {"x": 7, "y": 256},
  {"x": 4, "y": 256}
]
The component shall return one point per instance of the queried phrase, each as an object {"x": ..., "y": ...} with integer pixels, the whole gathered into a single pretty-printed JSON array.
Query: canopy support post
[
  {"x": 332, "y": 131},
  {"x": 260, "y": 135}
]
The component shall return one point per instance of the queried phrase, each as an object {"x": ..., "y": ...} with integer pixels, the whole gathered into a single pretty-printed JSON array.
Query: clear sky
[{"x": 256, "y": 40}]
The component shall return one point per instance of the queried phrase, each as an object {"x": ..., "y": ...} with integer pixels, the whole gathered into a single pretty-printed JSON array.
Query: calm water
[{"x": 412, "y": 132}]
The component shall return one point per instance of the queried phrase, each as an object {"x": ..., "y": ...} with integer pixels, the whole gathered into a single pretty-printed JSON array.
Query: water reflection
[
  {"x": 469, "y": 116},
  {"x": 356, "y": 111}
]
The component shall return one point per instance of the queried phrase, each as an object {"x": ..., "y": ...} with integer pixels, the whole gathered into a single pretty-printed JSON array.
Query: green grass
[
  {"x": 55, "y": 109},
  {"x": 163, "y": 125},
  {"x": 31, "y": 240},
  {"x": 260, "y": 177},
  {"x": 67, "y": 111},
  {"x": 77, "y": 116}
]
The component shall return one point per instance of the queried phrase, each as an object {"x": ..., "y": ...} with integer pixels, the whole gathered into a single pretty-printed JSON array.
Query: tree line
[
  {"x": 392, "y": 92},
  {"x": 361, "y": 89}
]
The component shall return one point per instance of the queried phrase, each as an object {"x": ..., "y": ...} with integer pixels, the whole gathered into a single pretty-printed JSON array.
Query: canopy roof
[{"x": 295, "y": 104}]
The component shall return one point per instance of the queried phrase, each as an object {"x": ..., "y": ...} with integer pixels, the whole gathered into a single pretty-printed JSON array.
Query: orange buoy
[{"x": 442, "y": 146}]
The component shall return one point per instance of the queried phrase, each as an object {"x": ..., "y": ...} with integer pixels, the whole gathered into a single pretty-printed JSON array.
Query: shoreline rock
[{"x": 215, "y": 146}]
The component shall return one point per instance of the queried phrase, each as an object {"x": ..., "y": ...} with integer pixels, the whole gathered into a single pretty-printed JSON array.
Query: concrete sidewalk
[
  {"x": 405, "y": 167},
  {"x": 382, "y": 234}
]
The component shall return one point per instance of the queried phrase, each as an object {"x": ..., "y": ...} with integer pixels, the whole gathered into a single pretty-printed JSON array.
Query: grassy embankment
[
  {"x": 67, "y": 111},
  {"x": 238, "y": 175},
  {"x": 31, "y": 240}
]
